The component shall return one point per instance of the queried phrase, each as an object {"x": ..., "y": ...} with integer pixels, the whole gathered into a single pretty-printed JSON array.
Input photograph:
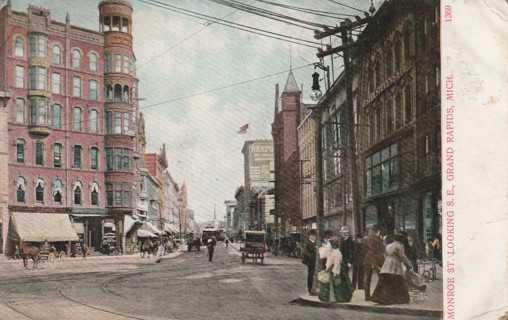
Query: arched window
[
  {"x": 107, "y": 24},
  {"x": 93, "y": 62},
  {"x": 76, "y": 59},
  {"x": 397, "y": 51},
  {"x": 57, "y": 55},
  {"x": 76, "y": 119},
  {"x": 125, "y": 25},
  {"x": 39, "y": 191},
  {"x": 94, "y": 194},
  {"x": 57, "y": 191},
  {"x": 118, "y": 93},
  {"x": 408, "y": 41},
  {"x": 94, "y": 121},
  {"x": 19, "y": 47},
  {"x": 126, "y": 95},
  {"x": 388, "y": 60},
  {"x": 109, "y": 92},
  {"x": 116, "y": 23},
  {"x": 77, "y": 192},
  {"x": 20, "y": 189}
]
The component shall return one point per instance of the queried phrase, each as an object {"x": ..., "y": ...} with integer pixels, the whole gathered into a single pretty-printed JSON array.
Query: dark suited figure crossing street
[
  {"x": 374, "y": 257},
  {"x": 211, "y": 248}
]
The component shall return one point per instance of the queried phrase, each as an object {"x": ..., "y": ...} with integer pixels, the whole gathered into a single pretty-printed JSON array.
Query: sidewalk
[{"x": 429, "y": 305}]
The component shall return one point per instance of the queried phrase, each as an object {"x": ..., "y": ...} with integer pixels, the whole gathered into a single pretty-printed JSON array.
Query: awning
[
  {"x": 146, "y": 234},
  {"x": 169, "y": 228},
  {"x": 150, "y": 227},
  {"x": 131, "y": 225},
  {"x": 37, "y": 227}
]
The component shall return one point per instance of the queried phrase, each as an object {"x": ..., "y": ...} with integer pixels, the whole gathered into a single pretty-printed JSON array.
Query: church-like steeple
[{"x": 291, "y": 85}]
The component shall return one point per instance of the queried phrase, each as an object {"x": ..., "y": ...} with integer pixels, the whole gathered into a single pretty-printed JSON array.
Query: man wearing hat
[
  {"x": 347, "y": 248},
  {"x": 309, "y": 259},
  {"x": 374, "y": 257}
]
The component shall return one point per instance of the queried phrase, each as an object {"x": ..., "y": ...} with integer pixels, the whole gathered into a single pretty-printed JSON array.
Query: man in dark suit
[
  {"x": 374, "y": 257},
  {"x": 347, "y": 248},
  {"x": 412, "y": 251},
  {"x": 309, "y": 259}
]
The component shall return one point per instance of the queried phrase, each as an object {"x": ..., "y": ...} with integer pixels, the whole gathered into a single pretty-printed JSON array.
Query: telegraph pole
[{"x": 344, "y": 29}]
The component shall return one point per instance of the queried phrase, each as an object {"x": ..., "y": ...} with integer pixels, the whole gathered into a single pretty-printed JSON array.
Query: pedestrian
[
  {"x": 73, "y": 250},
  {"x": 309, "y": 259},
  {"x": 437, "y": 248},
  {"x": 84, "y": 250},
  {"x": 211, "y": 248},
  {"x": 358, "y": 257},
  {"x": 374, "y": 256},
  {"x": 347, "y": 248},
  {"x": 227, "y": 242},
  {"x": 391, "y": 287},
  {"x": 326, "y": 248},
  {"x": 412, "y": 251},
  {"x": 339, "y": 289}
]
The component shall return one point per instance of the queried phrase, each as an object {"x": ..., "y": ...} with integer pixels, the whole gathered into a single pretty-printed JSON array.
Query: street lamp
[{"x": 315, "y": 93}]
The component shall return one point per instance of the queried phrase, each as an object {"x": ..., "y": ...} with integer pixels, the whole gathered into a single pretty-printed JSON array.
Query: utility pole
[{"x": 344, "y": 29}]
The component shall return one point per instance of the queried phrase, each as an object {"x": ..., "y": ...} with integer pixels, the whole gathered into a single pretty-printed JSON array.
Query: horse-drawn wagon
[{"x": 254, "y": 246}]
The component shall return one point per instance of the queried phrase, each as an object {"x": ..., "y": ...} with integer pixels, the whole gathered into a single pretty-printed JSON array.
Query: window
[
  {"x": 20, "y": 151},
  {"x": 38, "y": 111},
  {"x": 116, "y": 24},
  {"x": 118, "y": 63},
  {"x": 118, "y": 194},
  {"x": 382, "y": 172},
  {"x": 107, "y": 24},
  {"x": 378, "y": 74},
  {"x": 126, "y": 194},
  {"x": 20, "y": 77},
  {"x": 126, "y": 121},
  {"x": 39, "y": 191},
  {"x": 125, "y": 64},
  {"x": 94, "y": 119},
  {"x": 109, "y": 122},
  {"x": 118, "y": 93},
  {"x": 77, "y": 192},
  {"x": 76, "y": 86},
  {"x": 39, "y": 153},
  {"x": 389, "y": 117},
  {"x": 398, "y": 111},
  {"x": 126, "y": 95},
  {"x": 389, "y": 60},
  {"x": 19, "y": 47},
  {"x": 20, "y": 189},
  {"x": 109, "y": 93},
  {"x": 56, "y": 83},
  {"x": 20, "y": 110},
  {"x": 76, "y": 59},
  {"x": 76, "y": 119},
  {"x": 408, "y": 98},
  {"x": 93, "y": 62},
  {"x": 125, "y": 25},
  {"x": 57, "y": 155},
  {"x": 57, "y": 115},
  {"x": 94, "y": 194},
  {"x": 37, "y": 46},
  {"x": 57, "y": 55},
  {"x": 118, "y": 122},
  {"x": 77, "y": 156},
  {"x": 57, "y": 191},
  {"x": 118, "y": 159},
  {"x": 38, "y": 78},
  {"x": 94, "y": 158},
  {"x": 397, "y": 51},
  {"x": 93, "y": 90}
]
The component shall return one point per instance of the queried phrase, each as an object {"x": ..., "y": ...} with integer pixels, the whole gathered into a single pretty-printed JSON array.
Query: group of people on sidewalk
[{"x": 390, "y": 257}]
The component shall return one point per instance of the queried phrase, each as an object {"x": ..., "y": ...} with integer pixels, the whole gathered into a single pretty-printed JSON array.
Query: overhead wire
[
  {"x": 345, "y": 5},
  {"x": 266, "y": 33},
  {"x": 306, "y": 10}
]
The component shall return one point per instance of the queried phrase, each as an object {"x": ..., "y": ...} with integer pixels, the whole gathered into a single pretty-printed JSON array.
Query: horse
[
  {"x": 29, "y": 252},
  {"x": 146, "y": 248}
]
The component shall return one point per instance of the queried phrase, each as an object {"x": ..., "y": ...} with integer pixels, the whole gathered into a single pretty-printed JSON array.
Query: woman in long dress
[
  {"x": 339, "y": 289},
  {"x": 391, "y": 287}
]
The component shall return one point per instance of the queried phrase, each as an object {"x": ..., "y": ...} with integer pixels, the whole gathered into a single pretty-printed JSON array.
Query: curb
[{"x": 374, "y": 308}]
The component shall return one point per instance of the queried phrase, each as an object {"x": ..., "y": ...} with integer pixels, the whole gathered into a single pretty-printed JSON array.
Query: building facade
[
  {"x": 399, "y": 147},
  {"x": 71, "y": 118}
]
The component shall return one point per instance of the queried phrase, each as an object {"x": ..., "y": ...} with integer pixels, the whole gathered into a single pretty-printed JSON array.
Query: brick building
[
  {"x": 399, "y": 147},
  {"x": 71, "y": 119}
]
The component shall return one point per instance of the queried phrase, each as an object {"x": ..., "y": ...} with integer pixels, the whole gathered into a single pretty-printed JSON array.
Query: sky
[{"x": 201, "y": 81}]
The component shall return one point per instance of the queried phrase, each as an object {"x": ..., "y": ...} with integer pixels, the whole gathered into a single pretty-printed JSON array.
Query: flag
[{"x": 243, "y": 129}]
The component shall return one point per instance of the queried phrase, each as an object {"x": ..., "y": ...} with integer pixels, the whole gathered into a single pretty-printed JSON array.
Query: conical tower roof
[{"x": 291, "y": 85}]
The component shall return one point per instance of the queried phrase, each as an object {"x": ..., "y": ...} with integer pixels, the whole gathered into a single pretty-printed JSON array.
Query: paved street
[{"x": 183, "y": 286}]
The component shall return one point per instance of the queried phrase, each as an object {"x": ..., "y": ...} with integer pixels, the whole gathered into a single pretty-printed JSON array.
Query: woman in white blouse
[{"x": 339, "y": 289}]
